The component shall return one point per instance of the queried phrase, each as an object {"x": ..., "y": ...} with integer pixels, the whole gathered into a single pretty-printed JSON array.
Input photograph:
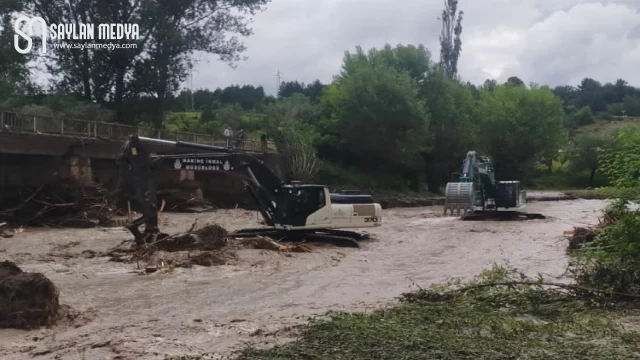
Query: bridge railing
[{"x": 20, "y": 122}]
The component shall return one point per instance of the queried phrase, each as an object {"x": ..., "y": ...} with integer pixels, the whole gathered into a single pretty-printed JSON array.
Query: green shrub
[
  {"x": 344, "y": 178},
  {"x": 612, "y": 261},
  {"x": 607, "y": 193},
  {"x": 516, "y": 321},
  {"x": 563, "y": 179},
  {"x": 620, "y": 162},
  {"x": 583, "y": 116}
]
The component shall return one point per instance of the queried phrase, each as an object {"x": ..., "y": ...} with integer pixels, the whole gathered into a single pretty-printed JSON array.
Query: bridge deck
[{"x": 19, "y": 123}]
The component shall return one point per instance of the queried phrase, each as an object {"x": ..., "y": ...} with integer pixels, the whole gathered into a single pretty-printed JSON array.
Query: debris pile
[
  {"x": 266, "y": 243},
  {"x": 61, "y": 203},
  {"x": 210, "y": 237},
  {"x": 210, "y": 245},
  {"x": 389, "y": 201},
  {"x": 27, "y": 300},
  {"x": 189, "y": 198},
  {"x": 546, "y": 197},
  {"x": 580, "y": 237},
  {"x": 206, "y": 246}
]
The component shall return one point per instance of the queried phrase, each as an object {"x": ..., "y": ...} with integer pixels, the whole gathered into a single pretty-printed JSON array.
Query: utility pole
[{"x": 279, "y": 77}]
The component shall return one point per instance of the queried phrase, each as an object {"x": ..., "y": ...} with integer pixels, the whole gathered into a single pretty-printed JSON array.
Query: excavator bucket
[{"x": 459, "y": 198}]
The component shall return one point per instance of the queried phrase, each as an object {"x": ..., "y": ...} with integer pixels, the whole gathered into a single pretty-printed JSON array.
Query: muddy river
[{"x": 121, "y": 314}]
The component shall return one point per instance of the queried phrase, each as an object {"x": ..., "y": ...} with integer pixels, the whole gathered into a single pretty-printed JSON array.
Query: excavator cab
[{"x": 297, "y": 202}]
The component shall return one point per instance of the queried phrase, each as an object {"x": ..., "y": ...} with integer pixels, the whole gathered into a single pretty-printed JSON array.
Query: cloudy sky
[{"x": 545, "y": 41}]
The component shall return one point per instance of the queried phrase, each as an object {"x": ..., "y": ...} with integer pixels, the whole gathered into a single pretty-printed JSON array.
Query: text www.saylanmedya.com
[{"x": 110, "y": 46}]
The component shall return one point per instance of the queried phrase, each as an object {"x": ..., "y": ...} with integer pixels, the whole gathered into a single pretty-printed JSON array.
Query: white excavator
[{"x": 290, "y": 211}]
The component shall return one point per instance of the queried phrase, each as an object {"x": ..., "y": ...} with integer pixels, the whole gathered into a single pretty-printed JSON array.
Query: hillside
[{"x": 607, "y": 127}]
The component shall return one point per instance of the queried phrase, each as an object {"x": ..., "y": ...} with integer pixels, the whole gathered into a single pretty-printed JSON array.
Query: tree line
[
  {"x": 393, "y": 117},
  {"x": 135, "y": 82}
]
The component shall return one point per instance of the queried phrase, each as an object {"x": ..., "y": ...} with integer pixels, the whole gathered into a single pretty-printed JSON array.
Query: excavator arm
[
  {"x": 292, "y": 211},
  {"x": 137, "y": 182}
]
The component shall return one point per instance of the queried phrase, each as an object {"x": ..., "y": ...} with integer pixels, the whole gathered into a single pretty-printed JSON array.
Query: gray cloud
[{"x": 544, "y": 41}]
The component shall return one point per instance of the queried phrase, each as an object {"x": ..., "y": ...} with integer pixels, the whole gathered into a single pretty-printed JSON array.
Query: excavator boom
[{"x": 305, "y": 209}]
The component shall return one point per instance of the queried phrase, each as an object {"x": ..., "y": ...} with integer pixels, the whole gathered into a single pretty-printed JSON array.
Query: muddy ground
[{"x": 124, "y": 315}]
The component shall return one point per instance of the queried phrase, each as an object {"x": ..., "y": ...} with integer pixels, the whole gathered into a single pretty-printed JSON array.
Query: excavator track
[
  {"x": 502, "y": 216},
  {"x": 341, "y": 238}
]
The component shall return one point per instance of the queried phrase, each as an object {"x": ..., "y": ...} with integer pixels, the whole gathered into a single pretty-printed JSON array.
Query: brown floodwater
[{"x": 217, "y": 309}]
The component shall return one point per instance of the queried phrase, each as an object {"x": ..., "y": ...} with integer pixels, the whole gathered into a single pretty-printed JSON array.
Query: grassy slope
[
  {"x": 500, "y": 322},
  {"x": 461, "y": 330},
  {"x": 604, "y": 127},
  {"x": 562, "y": 177},
  {"x": 521, "y": 322}
]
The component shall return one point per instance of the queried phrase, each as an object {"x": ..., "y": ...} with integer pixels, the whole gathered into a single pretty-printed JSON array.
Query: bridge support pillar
[{"x": 77, "y": 168}]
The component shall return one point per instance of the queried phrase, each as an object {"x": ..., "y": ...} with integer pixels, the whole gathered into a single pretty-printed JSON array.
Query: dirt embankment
[{"x": 407, "y": 200}]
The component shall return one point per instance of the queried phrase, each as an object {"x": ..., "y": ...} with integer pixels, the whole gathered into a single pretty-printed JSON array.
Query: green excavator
[{"x": 478, "y": 195}]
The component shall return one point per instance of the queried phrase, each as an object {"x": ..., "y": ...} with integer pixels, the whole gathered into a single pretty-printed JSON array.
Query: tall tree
[
  {"x": 314, "y": 90},
  {"x": 14, "y": 71},
  {"x": 621, "y": 89},
  {"x": 378, "y": 115},
  {"x": 568, "y": 94},
  {"x": 514, "y": 80},
  {"x": 170, "y": 31},
  {"x": 489, "y": 84},
  {"x": 289, "y": 88},
  {"x": 631, "y": 105},
  {"x": 585, "y": 154},
  {"x": 450, "y": 43},
  {"x": 591, "y": 94},
  {"x": 452, "y": 126},
  {"x": 518, "y": 127}
]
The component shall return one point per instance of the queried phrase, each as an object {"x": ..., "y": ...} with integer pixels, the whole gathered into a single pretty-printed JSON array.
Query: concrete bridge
[
  {"x": 39, "y": 149},
  {"x": 56, "y": 134}
]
